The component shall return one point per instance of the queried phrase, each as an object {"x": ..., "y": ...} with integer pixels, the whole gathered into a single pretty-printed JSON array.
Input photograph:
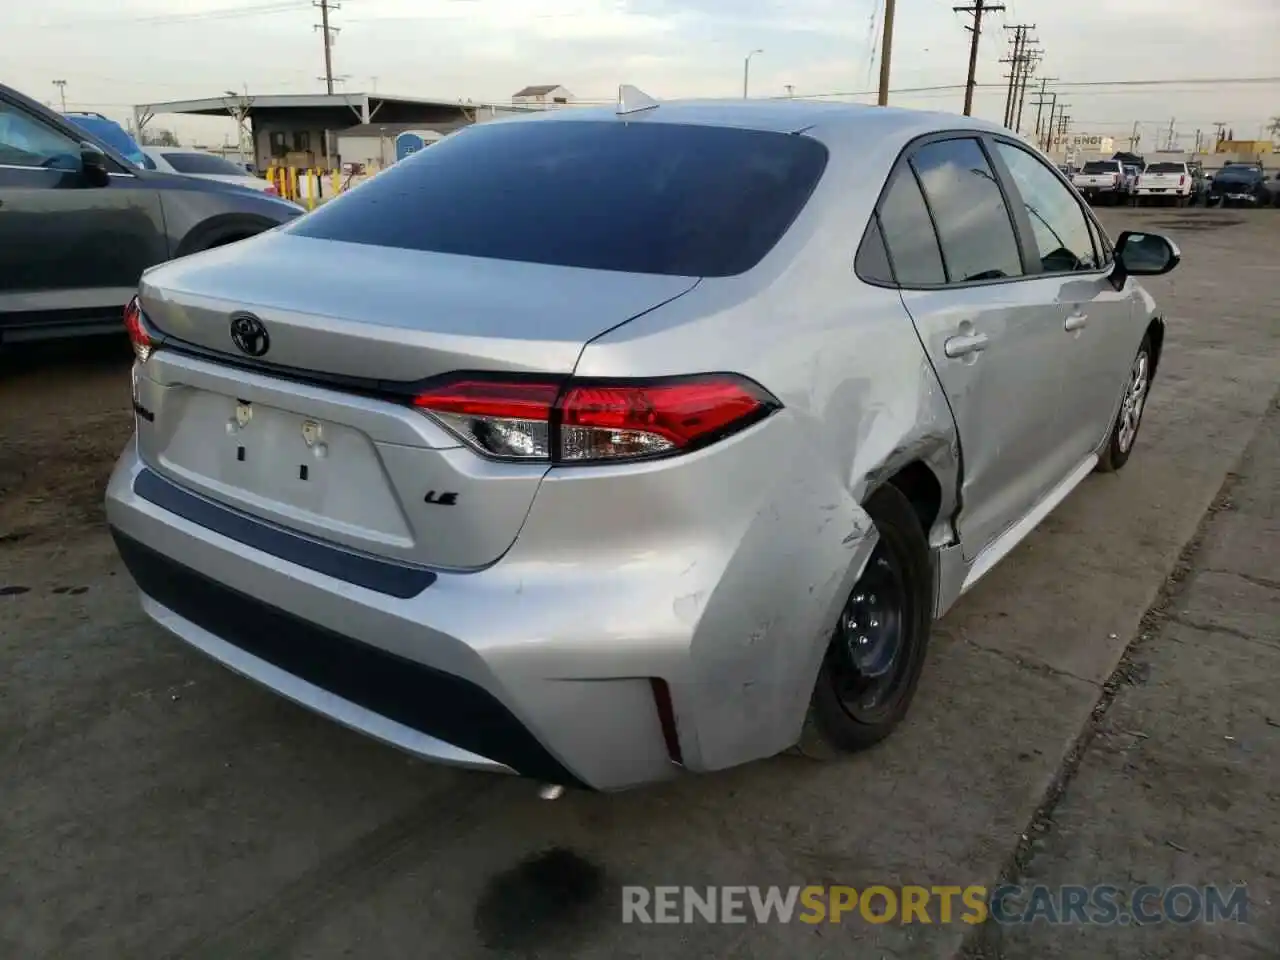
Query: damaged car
[{"x": 612, "y": 445}]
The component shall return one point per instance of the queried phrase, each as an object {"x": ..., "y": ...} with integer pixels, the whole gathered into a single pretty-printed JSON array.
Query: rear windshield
[
  {"x": 1100, "y": 166},
  {"x": 203, "y": 163},
  {"x": 1166, "y": 168},
  {"x": 640, "y": 197}
]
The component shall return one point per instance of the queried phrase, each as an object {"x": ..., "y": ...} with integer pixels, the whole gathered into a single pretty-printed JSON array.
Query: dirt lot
[{"x": 157, "y": 805}]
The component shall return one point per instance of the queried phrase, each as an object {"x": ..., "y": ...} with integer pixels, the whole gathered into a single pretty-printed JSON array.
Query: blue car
[{"x": 115, "y": 135}]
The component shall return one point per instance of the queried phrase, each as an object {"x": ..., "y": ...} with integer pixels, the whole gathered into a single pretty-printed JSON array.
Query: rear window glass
[
  {"x": 203, "y": 163},
  {"x": 1166, "y": 168},
  {"x": 1101, "y": 166},
  {"x": 641, "y": 197}
]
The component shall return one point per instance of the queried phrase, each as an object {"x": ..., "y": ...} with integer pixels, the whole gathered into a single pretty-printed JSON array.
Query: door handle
[
  {"x": 1077, "y": 321},
  {"x": 964, "y": 345}
]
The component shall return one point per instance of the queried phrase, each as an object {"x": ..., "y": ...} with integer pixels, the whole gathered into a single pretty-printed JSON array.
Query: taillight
[
  {"x": 143, "y": 345},
  {"x": 1182, "y": 180},
  {"x": 1115, "y": 178},
  {"x": 594, "y": 421},
  {"x": 271, "y": 191}
]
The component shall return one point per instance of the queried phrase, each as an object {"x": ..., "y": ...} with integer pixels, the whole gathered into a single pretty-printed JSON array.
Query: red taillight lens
[
  {"x": 510, "y": 419},
  {"x": 1182, "y": 180},
  {"x": 595, "y": 421},
  {"x": 271, "y": 191},
  {"x": 143, "y": 346}
]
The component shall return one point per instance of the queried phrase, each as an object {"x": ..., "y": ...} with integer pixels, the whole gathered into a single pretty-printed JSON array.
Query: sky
[{"x": 114, "y": 55}]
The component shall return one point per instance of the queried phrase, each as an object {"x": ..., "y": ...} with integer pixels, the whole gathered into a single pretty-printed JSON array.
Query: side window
[
  {"x": 1060, "y": 227},
  {"x": 974, "y": 228},
  {"x": 908, "y": 233},
  {"x": 872, "y": 261},
  {"x": 27, "y": 142}
]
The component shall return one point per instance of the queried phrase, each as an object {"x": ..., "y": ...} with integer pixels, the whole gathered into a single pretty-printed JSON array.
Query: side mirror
[
  {"x": 1143, "y": 255},
  {"x": 93, "y": 166}
]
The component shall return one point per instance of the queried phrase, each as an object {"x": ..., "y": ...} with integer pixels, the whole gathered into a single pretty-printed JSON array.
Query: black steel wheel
[{"x": 876, "y": 651}]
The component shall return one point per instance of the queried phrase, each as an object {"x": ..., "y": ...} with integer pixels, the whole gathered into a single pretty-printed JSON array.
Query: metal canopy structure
[
  {"x": 332, "y": 112},
  {"x": 363, "y": 106}
]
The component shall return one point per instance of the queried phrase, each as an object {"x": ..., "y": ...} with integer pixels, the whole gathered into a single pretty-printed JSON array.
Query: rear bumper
[
  {"x": 462, "y": 673},
  {"x": 1163, "y": 191}
]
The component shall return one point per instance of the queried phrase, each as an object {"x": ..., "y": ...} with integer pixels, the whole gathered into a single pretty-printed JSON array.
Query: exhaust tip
[{"x": 550, "y": 791}]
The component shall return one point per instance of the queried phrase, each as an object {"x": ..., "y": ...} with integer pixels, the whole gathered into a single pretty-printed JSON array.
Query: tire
[
  {"x": 833, "y": 727},
  {"x": 1124, "y": 431}
]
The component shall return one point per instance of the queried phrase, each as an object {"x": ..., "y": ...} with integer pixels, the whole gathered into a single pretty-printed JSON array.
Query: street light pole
[
  {"x": 746, "y": 71},
  {"x": 62, "y": 92}
]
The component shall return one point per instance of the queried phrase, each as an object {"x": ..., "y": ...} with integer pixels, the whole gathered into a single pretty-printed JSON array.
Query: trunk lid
[
  {"x": 352, "y": 467},
  {"x": 384, "y": 313}
]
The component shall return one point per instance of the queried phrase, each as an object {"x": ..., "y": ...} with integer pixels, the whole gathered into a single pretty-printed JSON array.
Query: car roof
[{"x": 782, "y": 115}]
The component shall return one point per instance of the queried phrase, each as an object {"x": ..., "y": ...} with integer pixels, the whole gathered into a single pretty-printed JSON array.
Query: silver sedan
[{"x": 607, "y": 445}]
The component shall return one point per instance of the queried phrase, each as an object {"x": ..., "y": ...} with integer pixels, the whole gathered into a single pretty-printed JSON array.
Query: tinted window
[
  {"x": 203, "y": 163},
  {"x": 1058, "y": 224},
  {"x": 112, "y": 134},
  {"x": 873, "y": 260},
  {"x": 908, "y": 233},
  {"x": 973, "y": 223},
  {"x": 1095, "y": 167},
  {"x": 642, "y": 197},
  {"x": 1166, "y": 168},
  {"x": 26, "y": 142}
]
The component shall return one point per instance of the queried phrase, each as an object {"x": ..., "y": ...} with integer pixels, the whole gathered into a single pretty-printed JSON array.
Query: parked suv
[
  {"x": 626, "y": 474},
  {"x": 79, "y": 223},
  {"x": 1244, "y": 184}
]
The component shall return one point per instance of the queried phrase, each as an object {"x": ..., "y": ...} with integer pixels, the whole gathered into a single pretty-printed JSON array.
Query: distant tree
[
  {"x": 160, "y": 137},
  {"x": 1274, "y": 127}
]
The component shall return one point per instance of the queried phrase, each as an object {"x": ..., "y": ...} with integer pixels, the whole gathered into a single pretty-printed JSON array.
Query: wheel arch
[{"x": 219, "y": 229}]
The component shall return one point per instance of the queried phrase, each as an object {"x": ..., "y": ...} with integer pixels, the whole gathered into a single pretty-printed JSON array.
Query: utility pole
[
  {"x": 791, "y": 90},
  {"x": 1041, "y": 100},
  {"x": 1170, "y": 144},
  {"x": 1134, "y": 137},
  {"x": 62, "y": 92},
  {"x": 886, "y": 48},
  {"x": 978, "y": 9},
  {"x": 1029, "y": 60},
  {"x": 329, "y": 32},
  {"x": 1218, "y": 134},
  {"x": 1016, "y": 63},
  {"x": 1048, "y": 129},
  {"x": 1198, "y": 140}
]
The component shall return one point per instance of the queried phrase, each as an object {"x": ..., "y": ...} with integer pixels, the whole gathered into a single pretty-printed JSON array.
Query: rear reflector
[
  {"x": 138, "y": 336},
  {"x": 581, "y": 421}
]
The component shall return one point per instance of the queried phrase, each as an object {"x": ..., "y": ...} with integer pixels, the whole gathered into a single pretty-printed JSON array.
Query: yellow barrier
[{"x": 306, "y": 186}]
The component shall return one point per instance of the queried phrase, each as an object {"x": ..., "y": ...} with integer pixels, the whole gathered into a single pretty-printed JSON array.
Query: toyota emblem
[{"x": 249, "y": 335}]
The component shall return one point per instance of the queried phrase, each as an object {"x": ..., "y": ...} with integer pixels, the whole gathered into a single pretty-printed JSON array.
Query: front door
[
  {"x": 70, "y": 253},
  {"x": 1095, "y": 323}
]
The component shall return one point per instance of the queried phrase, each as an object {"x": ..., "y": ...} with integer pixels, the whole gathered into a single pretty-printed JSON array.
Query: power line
[
  {"x": 165, "y": 19},
  {"x": 976, "y": 10}
]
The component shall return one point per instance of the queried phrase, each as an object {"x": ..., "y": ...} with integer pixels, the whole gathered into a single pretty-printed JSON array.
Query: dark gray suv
[{"x": 79, "y": 224}]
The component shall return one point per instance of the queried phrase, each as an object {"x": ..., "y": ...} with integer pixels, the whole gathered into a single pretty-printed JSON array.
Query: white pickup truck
[
  {"x": 1167, "y": 180},
  {"x": 1102, "y": 180}
]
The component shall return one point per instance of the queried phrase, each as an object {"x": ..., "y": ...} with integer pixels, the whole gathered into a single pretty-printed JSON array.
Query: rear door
[
  {"x": 70, "y": 253},
  {"x": 983, "y": 326},
  {"x": 1095, "y": 332}
]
